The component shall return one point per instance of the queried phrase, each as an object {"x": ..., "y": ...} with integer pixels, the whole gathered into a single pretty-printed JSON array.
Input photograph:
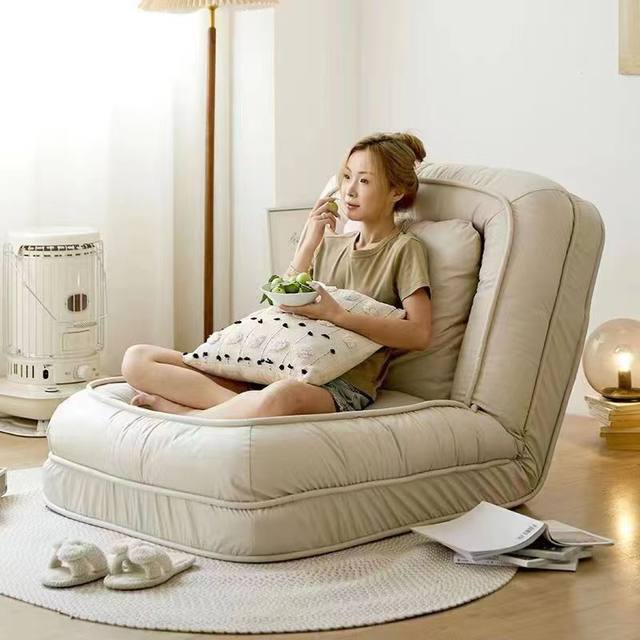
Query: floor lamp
[{"x": 181, "y": 6}]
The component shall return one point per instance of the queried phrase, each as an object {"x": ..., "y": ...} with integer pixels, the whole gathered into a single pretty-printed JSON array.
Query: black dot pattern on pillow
[{"x": 267, "y": 346}]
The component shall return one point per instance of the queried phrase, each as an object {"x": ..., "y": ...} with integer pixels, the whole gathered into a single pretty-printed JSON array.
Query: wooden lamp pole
[{"x": 209, "y": 167}]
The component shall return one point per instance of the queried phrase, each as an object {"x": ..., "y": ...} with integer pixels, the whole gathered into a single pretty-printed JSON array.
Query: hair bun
[{"x": 414, "y": 143}]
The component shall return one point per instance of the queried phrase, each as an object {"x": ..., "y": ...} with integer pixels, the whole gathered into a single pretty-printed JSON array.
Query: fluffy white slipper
[
  {"x": 138, "y": 565},
  {"x": 74, "y": 562}
]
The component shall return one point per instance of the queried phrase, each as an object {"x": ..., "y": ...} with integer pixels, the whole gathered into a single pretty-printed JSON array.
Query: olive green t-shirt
[{"x": 390, "y": 271}]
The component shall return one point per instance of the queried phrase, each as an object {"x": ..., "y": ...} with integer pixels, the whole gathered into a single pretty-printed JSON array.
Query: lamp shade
[
  {"x": 194, "y": 5},
  {"x": 611, "y": 359}
]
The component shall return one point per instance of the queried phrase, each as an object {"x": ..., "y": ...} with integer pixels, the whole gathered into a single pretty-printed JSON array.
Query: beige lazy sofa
[{"x": 474, "y": 418}]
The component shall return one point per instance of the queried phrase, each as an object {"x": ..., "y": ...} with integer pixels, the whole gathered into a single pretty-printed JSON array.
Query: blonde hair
[{"x": 396, "y": 156}]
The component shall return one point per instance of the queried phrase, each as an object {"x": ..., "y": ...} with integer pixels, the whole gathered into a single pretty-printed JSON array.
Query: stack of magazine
[
  {"x": 493, "y": 535},
  {"x": 620, "y": 422}
]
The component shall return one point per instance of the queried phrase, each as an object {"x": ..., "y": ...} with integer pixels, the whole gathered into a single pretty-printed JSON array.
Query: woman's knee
[
  {"x": 290, "y": 397},
  {"x": 278, "y": 398},
  {"x": 135, "y": 358}
]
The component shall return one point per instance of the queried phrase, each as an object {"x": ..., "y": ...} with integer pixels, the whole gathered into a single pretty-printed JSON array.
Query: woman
[{"x": 376, "y": 180}]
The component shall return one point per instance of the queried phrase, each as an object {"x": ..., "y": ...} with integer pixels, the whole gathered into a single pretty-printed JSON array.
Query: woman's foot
[
  {"x": 158, "y": 403},
  {"x": 142, "y": 399}
]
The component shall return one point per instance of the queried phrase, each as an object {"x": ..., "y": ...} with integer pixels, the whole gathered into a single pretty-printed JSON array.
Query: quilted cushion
[
  {"x": 454, "y": 249},
  {"x": 271, "y": 344}
]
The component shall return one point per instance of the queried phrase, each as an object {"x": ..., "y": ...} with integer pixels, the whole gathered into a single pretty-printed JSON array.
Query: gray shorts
[{"x": 345, "y": 396}]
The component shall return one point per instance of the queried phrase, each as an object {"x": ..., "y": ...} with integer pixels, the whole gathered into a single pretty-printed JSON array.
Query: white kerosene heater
[{"x": 54, "y": 301}]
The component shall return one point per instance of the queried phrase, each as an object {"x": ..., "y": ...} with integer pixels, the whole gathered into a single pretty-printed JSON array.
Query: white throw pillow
[{"x": 270, "y": 345}]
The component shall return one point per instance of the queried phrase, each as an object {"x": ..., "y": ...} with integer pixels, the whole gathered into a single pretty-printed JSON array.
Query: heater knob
[{"x": 84, "y": 371}]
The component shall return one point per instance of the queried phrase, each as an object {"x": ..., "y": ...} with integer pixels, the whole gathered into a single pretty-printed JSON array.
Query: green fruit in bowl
[{"x": 298, "y": 285}]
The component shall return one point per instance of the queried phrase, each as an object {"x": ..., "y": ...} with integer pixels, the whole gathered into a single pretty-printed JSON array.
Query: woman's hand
[
  {"x": 323, "y": 214},
  {"x": 325, "y": 308}
]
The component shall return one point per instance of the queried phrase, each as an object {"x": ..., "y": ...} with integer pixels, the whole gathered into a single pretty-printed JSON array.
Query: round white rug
[{"x": 378, "y": 582}]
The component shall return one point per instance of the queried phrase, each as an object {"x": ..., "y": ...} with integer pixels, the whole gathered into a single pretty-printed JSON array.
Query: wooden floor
[{"x": 588, "y": 486}]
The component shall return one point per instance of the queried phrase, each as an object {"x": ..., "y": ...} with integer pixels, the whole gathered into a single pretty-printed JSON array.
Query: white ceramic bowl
[{"x": 291, "y": 299}]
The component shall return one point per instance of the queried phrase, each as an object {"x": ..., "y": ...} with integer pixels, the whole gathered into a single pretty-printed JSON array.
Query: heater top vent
[{"x": 48, "y": 237}]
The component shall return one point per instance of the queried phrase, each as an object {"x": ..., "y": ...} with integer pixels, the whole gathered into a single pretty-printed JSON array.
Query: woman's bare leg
[
  {"x": 180, "y": 389},
  {"x": 161, "y": 372},
  {"x": 281, "y": 398}
]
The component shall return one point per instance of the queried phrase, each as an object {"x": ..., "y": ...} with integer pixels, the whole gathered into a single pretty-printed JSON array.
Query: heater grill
[{"x": 54, "y": 304}]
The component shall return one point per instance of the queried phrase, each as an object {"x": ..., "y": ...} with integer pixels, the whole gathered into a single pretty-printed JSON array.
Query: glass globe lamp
[{"x": 611, "y": 359}]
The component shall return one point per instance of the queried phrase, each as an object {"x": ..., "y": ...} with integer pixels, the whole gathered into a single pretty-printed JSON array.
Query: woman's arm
[
  {"x": 301, "y": 261},
  {"x": 412, "y": 333},
  {"x": 322, "y": 215}
]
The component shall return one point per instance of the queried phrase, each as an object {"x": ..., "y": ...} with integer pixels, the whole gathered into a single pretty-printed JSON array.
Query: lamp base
[{"x": 621, "y": 395}]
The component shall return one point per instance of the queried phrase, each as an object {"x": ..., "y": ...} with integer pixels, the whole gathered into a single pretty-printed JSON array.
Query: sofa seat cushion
[{"x": 270, "y": 458}]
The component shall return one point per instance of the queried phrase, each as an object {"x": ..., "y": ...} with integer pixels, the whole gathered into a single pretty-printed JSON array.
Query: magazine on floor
[
  {"x": 518, "y": 560},
  {"x": 489, "y": 530},
  {"x": 542, "y": 548}
]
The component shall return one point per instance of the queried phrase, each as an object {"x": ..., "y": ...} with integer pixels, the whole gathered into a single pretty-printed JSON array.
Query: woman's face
[{"x": 363, "y": 185}]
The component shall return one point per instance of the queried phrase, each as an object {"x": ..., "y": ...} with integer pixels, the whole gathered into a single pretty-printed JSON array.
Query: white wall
[
  {"x": 527, "y": 85},
  {"x": 295, "y": 111},
  {"x": 252, "y": 142},
  {"x": 531, "y": 86},
  {"x": 317, "y": 101}
]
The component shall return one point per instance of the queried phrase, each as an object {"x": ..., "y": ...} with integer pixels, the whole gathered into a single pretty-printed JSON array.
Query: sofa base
[{"x": 328, "y": 520}]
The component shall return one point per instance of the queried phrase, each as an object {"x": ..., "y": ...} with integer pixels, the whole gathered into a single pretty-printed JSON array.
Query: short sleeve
[{"x": 412, "y": 269}]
